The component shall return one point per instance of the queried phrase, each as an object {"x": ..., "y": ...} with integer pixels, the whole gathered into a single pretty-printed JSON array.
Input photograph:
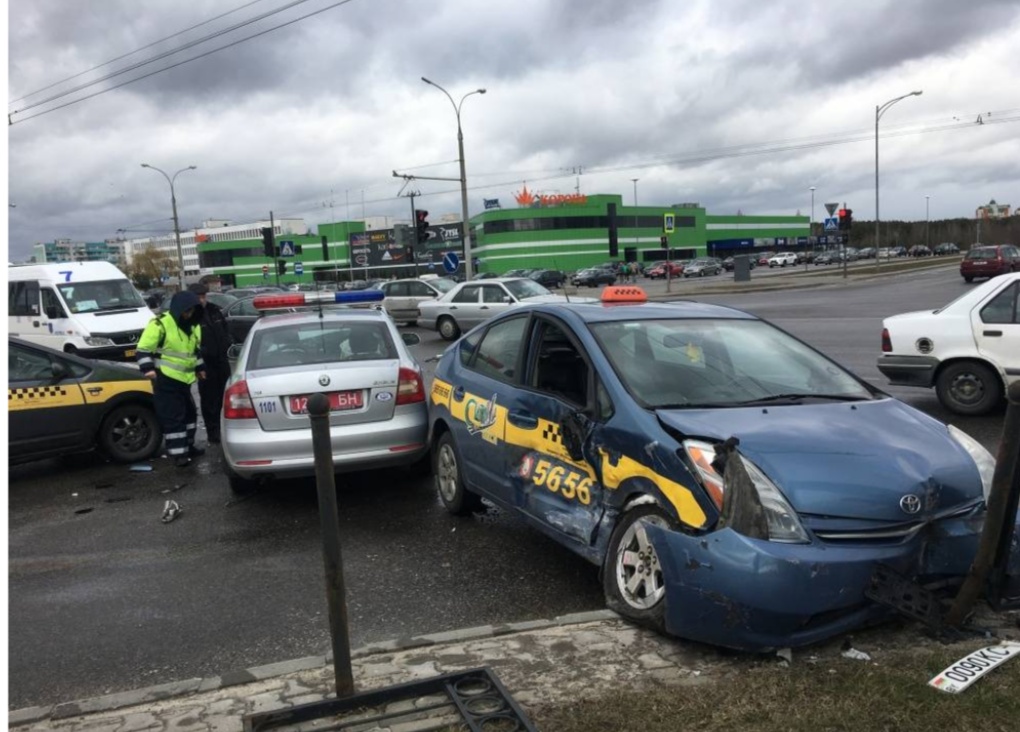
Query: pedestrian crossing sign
[
  {"x": 286, "y": 249},
  {"x": 669, "y": 223},
  {"x": 832, "y": 224}
]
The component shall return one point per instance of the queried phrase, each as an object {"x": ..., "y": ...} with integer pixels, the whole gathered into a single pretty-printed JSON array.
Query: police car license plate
[
  {"x": 338, "y": 401},
  {"x": 130, "y": 353}
]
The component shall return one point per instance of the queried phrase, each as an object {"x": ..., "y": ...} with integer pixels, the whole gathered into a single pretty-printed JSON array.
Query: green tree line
[{"x": 962, "y": 232}]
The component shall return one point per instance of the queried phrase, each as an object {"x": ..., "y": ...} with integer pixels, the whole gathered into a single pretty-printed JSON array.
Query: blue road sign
[
  {"x": 286, "y": 248},
  {"x": 299, "y": 268},
  {"x": 832, "y": 224},
  {"x": 451, "y": 262}
]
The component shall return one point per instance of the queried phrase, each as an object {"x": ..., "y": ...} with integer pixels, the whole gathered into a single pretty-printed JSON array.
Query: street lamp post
[
  {"x": 927, "y": 223},
  {"x": 177, "y": 227},
  {"x": 879, "y": 111},
  {"x": 811, "y": 228},
  {"x": 468, "y": 265}
]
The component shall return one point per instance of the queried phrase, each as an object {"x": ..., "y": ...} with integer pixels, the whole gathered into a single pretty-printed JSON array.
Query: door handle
[
  {"x": 458, "y": 393},
  {"x": 484, "y": 307},
  {"x": 525, "y": 420},
  {"x": 453, "y": 307},
  {"x": 992, "y": 333}
]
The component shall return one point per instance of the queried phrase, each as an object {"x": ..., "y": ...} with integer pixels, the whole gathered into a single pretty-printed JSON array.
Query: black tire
[
  {"x": 968, "y": 279},
  {"x": 130, "y": 433},
  {"x": 648, "y": 605},
  {"x": 446, "y": 466},
  {"x": 448, "y": 328},
  {"x": 701, "y": 273},
  {"x": 969, "y": 387},
  {"x": 240, "y": 486}
]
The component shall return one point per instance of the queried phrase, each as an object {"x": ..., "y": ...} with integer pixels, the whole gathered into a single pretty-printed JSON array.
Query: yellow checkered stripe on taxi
[{"x": 32, "y": 397}]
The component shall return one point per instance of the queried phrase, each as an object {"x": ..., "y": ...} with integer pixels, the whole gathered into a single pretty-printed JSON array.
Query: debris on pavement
[
  {"x": 856, "y": 655},
  {"x": 175, "y": 488},
  {"x": 973, "y": 666},
  {"x": 141, "y": 468},
  {"x": 786, "y": 654},
  {"x": 84, "y": 510},
  {"x": 171, "y": 510}
]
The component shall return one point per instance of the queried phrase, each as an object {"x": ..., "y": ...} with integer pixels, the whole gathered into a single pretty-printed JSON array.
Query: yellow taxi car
[{"x": 59, "y": 404}]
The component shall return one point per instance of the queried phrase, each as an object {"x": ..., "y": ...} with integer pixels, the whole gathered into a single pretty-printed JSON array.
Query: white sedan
[
  {"x": 474, "y": 302},
  {"x": 968, "y": 350},
  {"x": 404, "y": 296}
]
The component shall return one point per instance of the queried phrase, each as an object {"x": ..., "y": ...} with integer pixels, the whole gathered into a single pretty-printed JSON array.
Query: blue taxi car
[{"x": 608, "y": 426}]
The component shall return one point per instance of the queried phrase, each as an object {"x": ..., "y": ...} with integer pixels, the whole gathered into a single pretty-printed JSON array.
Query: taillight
[
  {"x": 237, "y": 402},
  {"x": 410, "y": 389},
  {"x": 886, "y": 341}
]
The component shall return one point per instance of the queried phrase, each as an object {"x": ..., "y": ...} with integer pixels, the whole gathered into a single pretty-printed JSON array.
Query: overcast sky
[{"x": 667, "y": 92}]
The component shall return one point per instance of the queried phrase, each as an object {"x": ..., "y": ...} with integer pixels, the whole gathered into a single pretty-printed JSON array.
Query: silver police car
[{"x": 356, "y": 357}]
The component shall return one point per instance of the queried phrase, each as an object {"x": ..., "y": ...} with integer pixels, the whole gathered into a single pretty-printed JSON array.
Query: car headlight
[
  {"x": 982, "y": 458},
  {"x": 98, "y": 341},
  {"x": 764, "y": 500}
]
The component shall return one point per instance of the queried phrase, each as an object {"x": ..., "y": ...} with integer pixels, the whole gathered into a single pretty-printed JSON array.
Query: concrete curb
[{"x": 110, "y": 702}]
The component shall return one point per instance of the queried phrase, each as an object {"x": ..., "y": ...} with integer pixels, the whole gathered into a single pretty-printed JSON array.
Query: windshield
[
  {"x": 983, "y": 253},
  {"x": 523, "y": 289},
  {"x": 95, "y": 297},
  {"x": 718, "y": 363},
  {"x": 320, "y": 342},
  {"x": 443, "y": 285}
]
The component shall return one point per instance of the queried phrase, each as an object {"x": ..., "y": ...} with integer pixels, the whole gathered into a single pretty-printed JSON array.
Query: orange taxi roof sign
[{"x": 624, "y": 294}]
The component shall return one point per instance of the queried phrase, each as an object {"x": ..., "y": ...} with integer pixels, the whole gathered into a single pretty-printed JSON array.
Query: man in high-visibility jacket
[{"x": 168, "y": 352}]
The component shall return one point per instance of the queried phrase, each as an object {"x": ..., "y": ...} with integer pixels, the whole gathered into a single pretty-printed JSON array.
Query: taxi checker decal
[
  {"x": 39, "y": 397},
  {"x": 560, "y": 473}
]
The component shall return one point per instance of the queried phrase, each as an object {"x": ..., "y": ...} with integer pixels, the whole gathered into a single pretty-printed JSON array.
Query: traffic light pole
[
  {"x": 276, "y": 251},
  {"x": 414, "y": 233}
]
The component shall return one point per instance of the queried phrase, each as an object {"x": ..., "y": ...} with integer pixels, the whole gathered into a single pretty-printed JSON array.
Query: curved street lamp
[
  {"x": 879, "y": 111},
  {"x": 463, "y": 174},
  {"x": 177, "y": 228}
]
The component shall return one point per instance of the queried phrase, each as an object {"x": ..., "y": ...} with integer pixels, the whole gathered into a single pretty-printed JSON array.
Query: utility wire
[
  {"x": 132, "y": 53},
  {"x": 160, "y": 57}
]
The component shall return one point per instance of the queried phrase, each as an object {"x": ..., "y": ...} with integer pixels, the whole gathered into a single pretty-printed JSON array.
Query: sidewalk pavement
[{"x": 539, "y": 662}]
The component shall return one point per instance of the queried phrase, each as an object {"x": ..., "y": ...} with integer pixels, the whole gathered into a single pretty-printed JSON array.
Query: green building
[{"x": 549, "y": 232}]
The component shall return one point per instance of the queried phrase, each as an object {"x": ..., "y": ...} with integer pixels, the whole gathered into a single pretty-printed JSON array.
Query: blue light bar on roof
[{"x": 359, "y": 296}]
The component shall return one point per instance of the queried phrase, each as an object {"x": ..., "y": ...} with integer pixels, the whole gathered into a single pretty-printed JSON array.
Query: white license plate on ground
[
  {"x": 973, "y": 666},
  {"x": 338, "y": 402}
]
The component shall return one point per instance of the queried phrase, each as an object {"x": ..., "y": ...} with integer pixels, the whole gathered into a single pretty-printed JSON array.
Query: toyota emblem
[
  {"x": 910, "y": 503},
  {"x": 324, "y": 381}
]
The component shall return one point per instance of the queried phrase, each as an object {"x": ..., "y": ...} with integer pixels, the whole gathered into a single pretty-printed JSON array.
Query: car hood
[
  {"x": 115, "y": 321},
  {"x": 847, "y": 460}
]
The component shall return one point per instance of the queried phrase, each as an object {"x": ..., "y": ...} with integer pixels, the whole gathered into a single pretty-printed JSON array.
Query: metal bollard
[
  {"x": 996, "y": 536},
  {"x": 329, "y": 517}
]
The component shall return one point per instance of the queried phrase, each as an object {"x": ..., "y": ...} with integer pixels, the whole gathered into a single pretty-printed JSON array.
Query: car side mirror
[
  {"x": 53, "y": 312},
  {"x": 410, "y": 339},
  {"x": 575, "y": 429},
  {"x": 59, "y": 371},
  {"x": 507, "y": 298}
]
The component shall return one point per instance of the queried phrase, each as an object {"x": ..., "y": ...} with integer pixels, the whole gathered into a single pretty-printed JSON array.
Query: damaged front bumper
[{"x": 729, "y": 590}]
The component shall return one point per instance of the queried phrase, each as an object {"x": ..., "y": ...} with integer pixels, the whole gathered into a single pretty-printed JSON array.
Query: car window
[
  {"x": 243, "y": 307},
  {"x": 982, "y": 253},
  {"x": 26, "y": 365},
  {"x": 395, "y": 289},
  {"x": 496, "y": 356},
  {"x": 1004, "y": 308},
  {"x": 559, "y": 369},
  {"x": 523, "y": 289},
  {"x": 467, "y": 294},
  {"x": 52, "y": 305},
  {"x": 320, "y": 343},
  {"x": 23, "y": 298},
  {"x": 443, "y": 285},
  {"x": 467, "y": 348},
  {"x": 494, "y": 294},
  {"x": 84, "y": 297},
  {"x": 695, "y": 362},
  {"x": 419, "y": 289}
]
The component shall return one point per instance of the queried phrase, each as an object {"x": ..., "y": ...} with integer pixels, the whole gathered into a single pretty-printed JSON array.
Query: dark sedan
[
  {"x": 551, "y": 278},
  {"x": 594, "y": 277}
]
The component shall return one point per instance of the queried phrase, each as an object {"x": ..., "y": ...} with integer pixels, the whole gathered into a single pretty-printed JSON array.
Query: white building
[
  {"x": 211, "y": 230},
  {"x": 993, "y": 211}
]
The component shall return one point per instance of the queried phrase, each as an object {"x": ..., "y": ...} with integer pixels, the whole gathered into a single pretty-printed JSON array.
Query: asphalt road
[{"x": 104, "y": 597}]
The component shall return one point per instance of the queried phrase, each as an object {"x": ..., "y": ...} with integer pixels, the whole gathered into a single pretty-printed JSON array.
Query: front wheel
[
  {"x": 446, "y": 466},
  {"x": 968, "y": 387},
  {"x": 632, "y": 578},
  {"x": 130, "y": 433},
  {"x": 968, "y": 280},
  {"x": 448, "y": 328}
]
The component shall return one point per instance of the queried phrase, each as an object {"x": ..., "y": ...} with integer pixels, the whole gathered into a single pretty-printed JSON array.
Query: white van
[{"x": 87, "y": 308}]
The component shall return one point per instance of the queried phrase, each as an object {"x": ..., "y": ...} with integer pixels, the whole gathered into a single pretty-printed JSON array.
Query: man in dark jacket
[{"x": 216, "y": 342}]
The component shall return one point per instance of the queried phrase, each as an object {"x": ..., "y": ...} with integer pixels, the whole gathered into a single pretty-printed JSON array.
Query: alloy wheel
[{"x": 638, "y": 573}]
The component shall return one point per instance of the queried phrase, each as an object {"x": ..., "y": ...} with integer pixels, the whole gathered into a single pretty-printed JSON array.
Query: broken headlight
[
  {"x": 982, "y": 458},
  {"x": 751, "y": 503}
]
